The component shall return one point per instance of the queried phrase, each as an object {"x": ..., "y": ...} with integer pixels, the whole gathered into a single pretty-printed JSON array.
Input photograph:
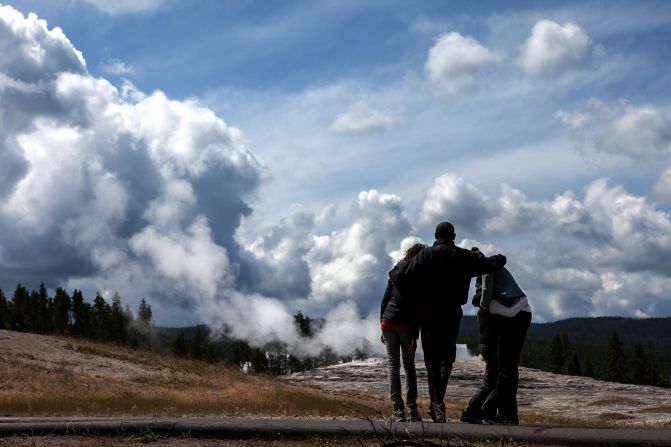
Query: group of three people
[{"x": 424, "y": 293}]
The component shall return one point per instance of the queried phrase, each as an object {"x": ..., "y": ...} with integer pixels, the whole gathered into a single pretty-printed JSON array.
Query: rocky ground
[{"x": 542, "y": 395}]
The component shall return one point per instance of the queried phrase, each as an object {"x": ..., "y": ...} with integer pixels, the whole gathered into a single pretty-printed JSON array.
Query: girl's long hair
[{"x": 412, "y": 251}]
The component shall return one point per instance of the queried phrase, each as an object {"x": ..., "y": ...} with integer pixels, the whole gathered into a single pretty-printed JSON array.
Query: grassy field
[{"x": 164, "y": 386}]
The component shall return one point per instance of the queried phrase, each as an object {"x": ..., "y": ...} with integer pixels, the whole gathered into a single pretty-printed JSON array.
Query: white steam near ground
[{"x": 113, "y": 189}]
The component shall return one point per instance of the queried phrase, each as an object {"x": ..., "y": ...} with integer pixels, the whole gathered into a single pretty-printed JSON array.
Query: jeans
[
  {"x": 438, "y": 342},
  {"x": 398, "y": 345},
  {"x": 501, "y": 340}
]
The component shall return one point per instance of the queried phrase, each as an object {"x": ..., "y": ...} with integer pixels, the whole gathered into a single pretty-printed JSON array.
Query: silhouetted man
[{"x": 443, "y": 273}]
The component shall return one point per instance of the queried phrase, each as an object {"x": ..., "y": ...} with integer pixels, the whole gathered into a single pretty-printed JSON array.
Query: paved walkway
[{"x": 238, "y": 428}]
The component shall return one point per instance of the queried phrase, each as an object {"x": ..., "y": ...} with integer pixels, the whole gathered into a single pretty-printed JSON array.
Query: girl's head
[{"x": 412, "y": 251}]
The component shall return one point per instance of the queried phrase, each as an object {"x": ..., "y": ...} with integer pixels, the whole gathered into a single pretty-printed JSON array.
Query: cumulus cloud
[
  {"x": 278, "y": 256},
  {"x": 571, "y": 251},
  {"x": 451, "y": 198},
  {"x": 105, "y": 184},
  {"x": 622, "y": 128},
  {"x": 108, "y": 188},
  {"x": 360, "y": 117},
  {"x": 351, "y": 263},
  {"x": 552, "y": 48},
  {"x": 635, "y": 131},
  {"x": 455, "y": 60}
]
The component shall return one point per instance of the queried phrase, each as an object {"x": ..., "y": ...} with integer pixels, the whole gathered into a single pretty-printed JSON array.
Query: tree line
[
  {"x": 618, "y": 349},
  {"x": 272, "y": 358},
  {"x": 64, "y": 314},
  {"x": 638, "y": 365},
  {"x": 71, "y": 315}
]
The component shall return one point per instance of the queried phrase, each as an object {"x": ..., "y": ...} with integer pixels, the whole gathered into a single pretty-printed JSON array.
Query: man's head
[{"x": 445, "y": 230}]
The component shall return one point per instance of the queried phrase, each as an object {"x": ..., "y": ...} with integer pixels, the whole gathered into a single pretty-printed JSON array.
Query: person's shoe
[
  {"x": 398, "y": 416},
  {"x": 470, "y": 418},
  {"x": 437, "y": 413},
  {"x": 506, "y": 420},
  {"x": 500, "y": 420},
  {"x": 413, "y": 414}
]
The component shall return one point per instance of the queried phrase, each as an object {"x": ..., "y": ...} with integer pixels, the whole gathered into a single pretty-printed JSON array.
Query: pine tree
[
  {"x": 573, "y": 366},
  {"x": 616, "y": 360},
  {"x": 100, "y": 318},
  {"x": 117, "y": 321},
  {"x": 302, "y": 324},
  {"x": 62, "y": 311},
  {"x": 179, "y": 345},
  {"x": 82, "y": 324},
  {"x": 5, "y": 311},
  {"x": 588, "y": 371},
  {"x": 20, "y": 309},
  {"x": 557, "y": 354},
  {"x": 144, "y": 313},
  {"x": 640, "y": 366},
  {"x": 44, "y": 312},
  {"x": 198, "y": 343}
]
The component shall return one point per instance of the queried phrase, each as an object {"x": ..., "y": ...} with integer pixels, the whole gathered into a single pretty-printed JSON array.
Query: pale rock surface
[{"x": 565, "y": 399}]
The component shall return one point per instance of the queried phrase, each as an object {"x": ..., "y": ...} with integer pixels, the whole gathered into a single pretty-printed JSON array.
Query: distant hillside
[
  {"x": 655, "y": 332},
  {"x": 584, "y": 348}
]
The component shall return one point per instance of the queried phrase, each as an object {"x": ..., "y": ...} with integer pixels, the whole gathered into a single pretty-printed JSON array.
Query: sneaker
[
  {"x": 470, "y": 418},
  {"x": 413, "y": 414}
]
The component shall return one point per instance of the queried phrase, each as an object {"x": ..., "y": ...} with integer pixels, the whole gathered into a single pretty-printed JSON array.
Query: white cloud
[
  {"x": 117, "y": 190},
  {"x": 455, "y": 60},
  {"x": 120, "y": 7},
  {"x": 277, "y": 256},
  {"x": 620, "y": 128},
  {"x": 114, "y": 189},
  {"x": 552, "y": 48},
  {"x": 360, "y": 117},
  {"x": 451, "y": 198},
  {"x": 117, "y": 67},
  {"x": 30, "y": 51},
  {"x": 351, "y": 263},
  {"x": 605, "y": 252},
  {"x": 662, "y": 188},
  {"x": 639, "y": 131}
]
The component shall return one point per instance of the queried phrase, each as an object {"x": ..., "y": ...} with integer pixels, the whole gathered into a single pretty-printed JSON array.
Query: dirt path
[{"x": 273, "y": 428}]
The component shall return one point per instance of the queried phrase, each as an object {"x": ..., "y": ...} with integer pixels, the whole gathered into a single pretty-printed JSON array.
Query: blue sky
[{"x": 279, "y": 155}]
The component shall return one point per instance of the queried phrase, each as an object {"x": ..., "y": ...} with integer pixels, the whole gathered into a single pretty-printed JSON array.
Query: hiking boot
[
  {"x": 437, "y": 412},
  {"x": 398, "y": 416},
  {"x": 500, "y": 420},
  {"x": 470, "y": 418},
  {"x": 398, "y": 413},
  {"x": 413, "y": 414}
]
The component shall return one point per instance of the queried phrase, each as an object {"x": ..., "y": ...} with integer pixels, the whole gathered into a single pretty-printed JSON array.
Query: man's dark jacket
[
  {"x": 441, "y": 275},
  {"x": 401, "y": 310}
]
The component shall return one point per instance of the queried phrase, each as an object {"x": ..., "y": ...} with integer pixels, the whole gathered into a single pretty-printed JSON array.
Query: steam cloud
[{"x": 109, "y": 188}]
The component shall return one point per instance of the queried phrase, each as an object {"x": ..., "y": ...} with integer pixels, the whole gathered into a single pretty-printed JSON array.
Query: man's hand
[
  {"x": 413, "y": 346},
  {"x": 382, "y": 338}
]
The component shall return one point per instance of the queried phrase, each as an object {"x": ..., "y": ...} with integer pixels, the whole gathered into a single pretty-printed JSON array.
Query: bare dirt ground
[
  {"x": 54, "y": 353},
  {"x": 543, "y": 397}
]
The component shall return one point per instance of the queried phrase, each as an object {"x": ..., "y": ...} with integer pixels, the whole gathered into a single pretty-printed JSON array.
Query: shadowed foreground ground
[{"x": 158, "y": 429}]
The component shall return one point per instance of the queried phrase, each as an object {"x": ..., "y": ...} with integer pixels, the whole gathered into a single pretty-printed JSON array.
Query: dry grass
[
  {"x": 657, "y": 409},
  {"x": 176, "y": 387},
  {"x": 615, "y": 400}
]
